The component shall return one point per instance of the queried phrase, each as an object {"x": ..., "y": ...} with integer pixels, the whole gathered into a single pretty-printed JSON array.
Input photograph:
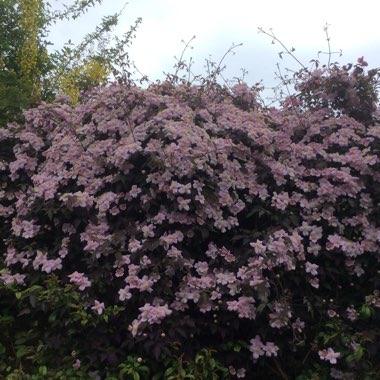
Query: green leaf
[
  {"x": 42, "y": 370},
  {"x": 358, "y": 353},
  {"x": 237, "y": 348},
  {"x": 52, "y": 317},
  {"x": 199, "y": 358},
  {"x": 261, "y": 308},
  {"x": 350, "y": 358},
  {"x": 365, "y": 312},
  {"x": 22, "y": 351},
  {"x": 169, "y": 371},
  {"x": 33, "y": 300},
  {"x": 144, "y": 369}
]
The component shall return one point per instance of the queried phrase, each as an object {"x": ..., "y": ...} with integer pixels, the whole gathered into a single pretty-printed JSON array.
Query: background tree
[
  {"x": 12, "y": 89},
  {"x": 30, "y": 50},
  {"x": 30, "y": 73}
]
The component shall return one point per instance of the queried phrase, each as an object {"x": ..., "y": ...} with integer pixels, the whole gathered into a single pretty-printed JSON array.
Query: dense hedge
[{"x": 186, "y": 228}]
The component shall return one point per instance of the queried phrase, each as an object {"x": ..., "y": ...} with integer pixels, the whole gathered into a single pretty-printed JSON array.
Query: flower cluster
[{"x": 258, "y": 348}]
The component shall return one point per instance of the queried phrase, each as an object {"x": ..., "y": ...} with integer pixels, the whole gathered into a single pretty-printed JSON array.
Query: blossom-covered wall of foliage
[{"x": 184, "y": 229}]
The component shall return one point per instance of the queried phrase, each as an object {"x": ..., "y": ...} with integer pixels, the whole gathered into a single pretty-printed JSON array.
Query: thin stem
[
  {"x": 272, "y": 35},
  {"x": 280, "y": 370},
  {"x": 329, "y": 52},
  {"x": 328, "y": 43},
  {"x": 287, "y": 89},
  {"x": 272, "y": 369},
  {"x": 130, "y": 127},
  {"x": 230, "y": 50},
  {"x": 180, "y": 61},
  {"x": 143, "y": 76},
  {"x": 306, "y": 356}
]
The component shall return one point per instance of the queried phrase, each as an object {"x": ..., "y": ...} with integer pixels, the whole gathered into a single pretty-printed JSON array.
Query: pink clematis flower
[
  {"x": 329, "y": 355},
  {"x": 98, "y": 307}
]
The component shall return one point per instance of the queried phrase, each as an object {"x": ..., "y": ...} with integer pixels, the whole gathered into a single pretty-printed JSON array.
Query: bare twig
[
  {"x": 280, "y": 370},
  {"x": 130, "y": 127},
  {"x": 230, "y": 50},
  {"x": 144, "y": 77},
  {"x": 289, "y": 94},
  {"x": 328, "y": 43},
  {"x": 180, "y": 62},
  {"x": 288, "y": 51},
  {"x": 329, "y": 52}
]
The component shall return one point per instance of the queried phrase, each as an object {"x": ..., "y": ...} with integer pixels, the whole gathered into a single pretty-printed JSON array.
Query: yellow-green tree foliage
[
  {"x": 88, "y": 74},
  {"x": 29, "y": 50}
]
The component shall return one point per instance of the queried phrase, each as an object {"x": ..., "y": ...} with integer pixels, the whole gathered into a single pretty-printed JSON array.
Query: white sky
[{"x": 353, "y": 27}]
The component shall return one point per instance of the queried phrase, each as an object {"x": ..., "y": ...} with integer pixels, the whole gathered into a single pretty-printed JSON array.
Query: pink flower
[
  {"x": 362, "y": 62},
  {"x": 76, "y": 364},
  {"x": 298, "y": 325},
  {"x": 80, "y": 280},
  {"x": 153, "y": 314},
  {"x": 25, "y": 228},
  {"x": 315, "y": 234},
  {"x": 145, "y": 284},
  {"x": 227, "y": 255},
  {"x": 169, "y": 239},
  {"x": 134, "y": 192},
  {"x": 270, "y": 349},
  {"x": 240, "y": 373},
  {"x": 334, "y": 241},
  {"x": 201, "y": 267},
  {"x": 329, "y": 355},
  {"x": 244, "y": 307},
  {"x": 98, "y": 307},
  {"x": 311, "y": 268},
  {"x": 314, "y": 282},
  {"x": 10, "y": 279},
  {"x": 225, "y": 278},
  {"x": 212, "y": 251},
  {"x": 331, "y": 313},
  {"x": 340, "y": 375},
  {"x": 352, "y": 314},
  {"x": 256, "y": 347},
  {"x": 280, "y": 200},
  {"x": 183, "y": 204},
  {"x": 119, "y": 272},
  {"x": 359, "y": 271},
  {"x": 174, "y": 253},
  {"x": 280, "y": 316},
  {"x": 258, "y": 246},
  {"x": 134, "y": 245},
  {"x": 148, "y": 231},
  {"x": 125, "y": 294},
  {"x": 145, "y": 261},
  {"x": 49, "y": 266},
  {"x": 134, "y": 327}
]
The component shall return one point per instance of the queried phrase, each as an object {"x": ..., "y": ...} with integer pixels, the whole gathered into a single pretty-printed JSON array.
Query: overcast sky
[{"x": 353, "y": 28}]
